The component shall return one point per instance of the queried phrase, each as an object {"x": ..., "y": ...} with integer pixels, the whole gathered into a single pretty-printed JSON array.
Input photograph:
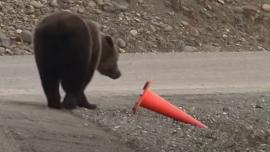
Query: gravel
[
  {"x": 237, "y": 122},
  {"x": 150, "y": 26}
]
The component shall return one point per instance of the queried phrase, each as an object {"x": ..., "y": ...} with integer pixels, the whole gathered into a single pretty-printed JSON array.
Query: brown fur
[{"x": 68, "y": 50}]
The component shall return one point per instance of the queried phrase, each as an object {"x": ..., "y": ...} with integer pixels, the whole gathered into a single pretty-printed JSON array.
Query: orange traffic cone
[{"x": 154, "y": 102}]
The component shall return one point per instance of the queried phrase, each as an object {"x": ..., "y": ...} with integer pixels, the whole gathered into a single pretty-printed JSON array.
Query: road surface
[{"x": 27, "y": 125}]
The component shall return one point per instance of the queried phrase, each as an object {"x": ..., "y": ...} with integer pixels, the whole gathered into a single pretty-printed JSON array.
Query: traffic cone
[{"x": 150, "y": 100}]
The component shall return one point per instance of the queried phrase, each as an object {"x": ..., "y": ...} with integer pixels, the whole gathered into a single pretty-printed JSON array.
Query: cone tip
[
  {"x": 200, "y": 124},
  {"x": 203, "y": 126}
]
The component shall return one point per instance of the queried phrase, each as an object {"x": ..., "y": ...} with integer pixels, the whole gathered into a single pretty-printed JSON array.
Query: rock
[
  {"x": 258, "y": 106},
  {"x": 225, "y": 109},
  {"x": 221, "y": 1},
  {"x": 30, "y": 10},
  {"x": 92, "y": 4},
  {"x": 97, "y": 24},
  {"x": 97, "y": 11},
  {"x": 26, "y": 36},
  {"x": 190, "y": 49},
  {"x": 19, "y": 51},
  {"x": 121, "y": 6},
  {"x": 152, "y": 44},
  {"x": 121, "y": 43},
  {"x": 171, "y": 13},
  {"x": 8, "y": 51},
  {"x": 250, "y": 10},
  {"x": 134, "y": 32},
  {"x": 140, "y": 1},
  {"x": 122, "y": 50},
  {"x": 112, "y": 6},
  {"x": 185, "y": 23},
  {"x": 108, "y": 7},
  {"x": 266, "y": 7},
  {"x": 4, "y": 40},
  {"x": 168, "y": 28},
  {"x": 99, "y": 2},
  {"x": 53, "y": 3},
  {"x": 36, "y": 4},
  {"x": 68, "y": 1},
  {"x": 19, "y": 31},
  {"x": 137, "y": 20},
  {"x": 180, "y": 46},
  {"x": 2, "y": 50},
  {"x": 194, "y": 31},
  {"x": 211, "y": 48},
  {"x": 80, "y": 10},
  {"x": 142, "y": 49},
  {"x": 153, "y": 28}
]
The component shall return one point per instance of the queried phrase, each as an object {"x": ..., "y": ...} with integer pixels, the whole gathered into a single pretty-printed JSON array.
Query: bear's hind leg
[
  {"x": 71, "y": 83},
  {"x": 70, "y": 101},
  {"x": 50, "y": 86},
  {"x": 83, "y": 102}
]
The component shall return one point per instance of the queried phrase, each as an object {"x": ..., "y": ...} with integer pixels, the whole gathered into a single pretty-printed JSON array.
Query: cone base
[{"x": 138, "y": 103}]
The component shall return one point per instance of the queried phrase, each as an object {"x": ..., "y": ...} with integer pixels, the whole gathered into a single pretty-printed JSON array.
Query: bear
[{"x": 68, "y": 49}]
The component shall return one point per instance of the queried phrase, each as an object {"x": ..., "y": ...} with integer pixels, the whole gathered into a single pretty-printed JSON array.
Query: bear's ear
[{"x": 109, "y": 40}]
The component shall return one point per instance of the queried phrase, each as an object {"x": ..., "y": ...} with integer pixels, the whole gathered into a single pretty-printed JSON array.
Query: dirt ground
[
  {"x": 237, "y": 122},
  {"x": 30, "y": 126},
  {"x": 148, "y": 26}
]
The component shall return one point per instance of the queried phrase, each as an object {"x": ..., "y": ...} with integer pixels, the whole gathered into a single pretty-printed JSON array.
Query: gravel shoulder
[{"x": 237, "y": 122}]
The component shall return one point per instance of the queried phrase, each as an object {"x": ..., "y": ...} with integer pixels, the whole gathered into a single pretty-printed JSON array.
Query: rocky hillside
[{"x": 149, "y": 25}]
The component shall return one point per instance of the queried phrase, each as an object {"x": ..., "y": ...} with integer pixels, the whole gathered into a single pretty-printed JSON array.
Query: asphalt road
[
  {"x": 26, "y": 124},
  {"x": 182, "y": 73}
]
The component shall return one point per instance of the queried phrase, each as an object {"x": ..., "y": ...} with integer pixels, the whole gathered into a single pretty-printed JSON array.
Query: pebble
[
  {"x": 68, "y": 1},
  {"x": 190, "y": 49},
  {"x": 185, "y": 23},
  {"x": 4, "y": 40},
  {"x": 53, "y": 3},
  {"x": 120, "y": 6},
  {"x": 18, "y": 51},
  {"x": 258, "y": 106},
  {"x": 36, "y": 4},
  {"x": 2, "y": 50},
  {"x": 26, "y": 36},
  {"x": 221, "y": 1},
  {"x": 266, "y": 7},
  {"x": 225, "y": 109},
  {"x": 140, "y": 1},
  {"x": 92, "y": 4},
  {"x": 97, "y": 11},
  {"x": 153, "y": 28},
  {"x": 108, "y": 8},
  {"x": 121, "y": 50},
  {"x": 250, "y": 10},
  {"x": 80, "y": 10},
  {"x": 134, "y": 32},
  {"x": 168, "y": 28},
  {"x": 180, "y": 46},
  {"x": 19, "y": 31},
  {"x": 8, "y": 51},
  {"x": 211, "y": 48},
  {"x": 99, "y": 2},
  {"x": 121, "y": 43}
]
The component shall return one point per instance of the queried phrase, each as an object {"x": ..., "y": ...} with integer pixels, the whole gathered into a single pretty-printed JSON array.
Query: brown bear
[{"x": 68, "y": 49}]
